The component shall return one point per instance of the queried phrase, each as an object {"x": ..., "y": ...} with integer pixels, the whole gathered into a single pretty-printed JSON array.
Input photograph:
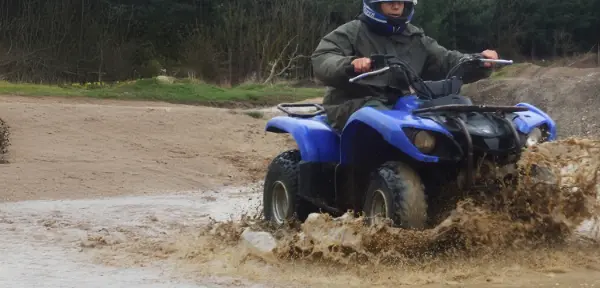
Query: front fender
[
  {"x": 316, "y": 141},
  {"x": 388, "y": 124},
  {"x": 535, "y": 117}
]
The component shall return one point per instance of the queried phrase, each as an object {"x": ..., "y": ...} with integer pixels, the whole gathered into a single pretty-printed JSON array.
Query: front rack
[{"x": 463, "y": 127}]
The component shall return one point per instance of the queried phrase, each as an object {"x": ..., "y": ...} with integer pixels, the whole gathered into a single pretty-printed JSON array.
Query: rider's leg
[
  {"x": 338, "y": 115},
  {"x": 377, "y": 104}
]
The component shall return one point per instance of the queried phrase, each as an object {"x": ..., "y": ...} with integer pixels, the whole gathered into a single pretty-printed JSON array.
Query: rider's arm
[
  {"x": 440, "y": 60},
  {"x": 333, "y": 54}
]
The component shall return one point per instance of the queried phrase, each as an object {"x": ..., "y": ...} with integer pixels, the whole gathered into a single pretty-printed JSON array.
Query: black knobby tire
[
  {"x": 400, "y": 183},
  {"x": 284, "y": 169}
]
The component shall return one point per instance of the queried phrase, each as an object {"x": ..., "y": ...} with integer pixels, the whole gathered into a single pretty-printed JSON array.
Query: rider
[{"x": 382, "y": 28}]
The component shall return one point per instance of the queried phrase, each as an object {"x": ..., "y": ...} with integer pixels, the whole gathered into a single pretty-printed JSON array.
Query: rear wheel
[
  {"x": 280, "y": 196},
  {"x": 396, "y": 193}
]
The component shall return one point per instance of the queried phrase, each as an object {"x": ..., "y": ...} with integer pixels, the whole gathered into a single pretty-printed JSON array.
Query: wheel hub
[
  {"x": 280, "y": 202},
  {"x": 378, "y": 207}
]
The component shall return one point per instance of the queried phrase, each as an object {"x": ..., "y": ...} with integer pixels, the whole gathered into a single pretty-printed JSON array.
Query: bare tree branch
[
  {"x": 289, "y": 64},
  {"x": 27, "y": 56}
]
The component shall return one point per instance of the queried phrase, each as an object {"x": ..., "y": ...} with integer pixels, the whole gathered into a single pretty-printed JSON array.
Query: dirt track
[
  {"x": 88, "y": 149},
  {"x": 80, "y": 148}
]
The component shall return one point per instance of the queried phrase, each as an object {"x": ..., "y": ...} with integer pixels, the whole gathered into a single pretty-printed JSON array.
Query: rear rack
[
  {"x": 470, "y": 108},
  {"x": 282, "y": 107}
]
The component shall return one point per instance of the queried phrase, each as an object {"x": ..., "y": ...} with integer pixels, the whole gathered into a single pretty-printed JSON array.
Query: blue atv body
[
  {"x": 393, "y": 162},
  {"x": 318, "y": 142}
]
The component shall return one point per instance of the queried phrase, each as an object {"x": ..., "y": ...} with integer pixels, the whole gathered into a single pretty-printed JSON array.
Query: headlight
[
  {"x": 533, "y": 138},
  {"x": 424, "y": 141}
]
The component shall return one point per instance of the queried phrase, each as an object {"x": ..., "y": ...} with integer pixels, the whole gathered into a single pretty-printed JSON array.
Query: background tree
[{"x": 232, "y": 41}]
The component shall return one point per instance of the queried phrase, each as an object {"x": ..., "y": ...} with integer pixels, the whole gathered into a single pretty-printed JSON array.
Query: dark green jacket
[{"x": 354, "y": 40}]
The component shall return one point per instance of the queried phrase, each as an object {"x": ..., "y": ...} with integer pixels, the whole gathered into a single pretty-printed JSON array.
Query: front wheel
[
  {"x": 397, "y": 193},
  {"x": 280, "y": 200}
]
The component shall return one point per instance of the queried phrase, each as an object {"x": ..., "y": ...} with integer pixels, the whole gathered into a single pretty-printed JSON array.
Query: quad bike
[{"x": 392, "y": 163}]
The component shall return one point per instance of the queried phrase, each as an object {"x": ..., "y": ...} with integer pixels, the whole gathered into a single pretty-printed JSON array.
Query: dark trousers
[{"x": 338, "y": 115}]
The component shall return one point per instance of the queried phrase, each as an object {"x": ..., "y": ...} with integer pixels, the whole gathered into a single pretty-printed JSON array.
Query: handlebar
[
  {"x": 367, "y": 74},
  {"x": 499, "y": 61},
  {"x": 350, "y": 68}
]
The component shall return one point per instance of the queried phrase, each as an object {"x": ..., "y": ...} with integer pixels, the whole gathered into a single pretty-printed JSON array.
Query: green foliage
[{"x": 184, "y": 91}]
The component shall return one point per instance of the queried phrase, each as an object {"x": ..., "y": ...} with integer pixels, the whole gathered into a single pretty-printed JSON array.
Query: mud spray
[{"x": 528, "y": 229}]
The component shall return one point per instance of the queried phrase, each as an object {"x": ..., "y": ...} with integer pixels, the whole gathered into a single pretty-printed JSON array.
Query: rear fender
[
  {"x": 535, "y": 117},
  {"x": 316, "y": 140},
  {"x": 388, "y": 124}
]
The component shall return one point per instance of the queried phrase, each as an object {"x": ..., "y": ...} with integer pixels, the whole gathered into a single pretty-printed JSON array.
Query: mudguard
[
  {"x": 316, "y": 140},
  {"x": 533, "y": 118},
  {"x": 389, "y": 124}
]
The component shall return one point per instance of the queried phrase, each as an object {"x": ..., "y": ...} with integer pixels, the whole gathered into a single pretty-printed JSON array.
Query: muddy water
[
  {"x": 536, "y": 233},
  {"x": 83, "y": 243},
  {"x": 534, "y": 228}
]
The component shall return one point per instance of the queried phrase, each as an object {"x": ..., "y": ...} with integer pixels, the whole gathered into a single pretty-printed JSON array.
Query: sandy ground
[
  {"x": 80, "y": 148},
  {"x": 91, "y": 183}
]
